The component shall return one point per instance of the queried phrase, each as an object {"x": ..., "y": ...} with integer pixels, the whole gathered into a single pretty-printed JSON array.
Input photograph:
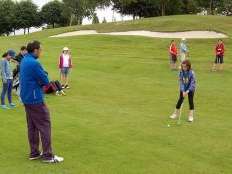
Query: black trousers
[{"x": 190, "y": 99}]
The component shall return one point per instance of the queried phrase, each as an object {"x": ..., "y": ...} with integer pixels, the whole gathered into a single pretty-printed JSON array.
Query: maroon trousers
[{"x": 39, "y": 127}]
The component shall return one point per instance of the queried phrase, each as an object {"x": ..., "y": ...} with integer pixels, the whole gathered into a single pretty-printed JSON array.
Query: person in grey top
[{"x": 7, "y": 79}]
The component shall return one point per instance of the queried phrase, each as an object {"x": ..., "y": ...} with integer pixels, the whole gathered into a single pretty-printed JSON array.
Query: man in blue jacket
[{"x": 32, "y": 79}]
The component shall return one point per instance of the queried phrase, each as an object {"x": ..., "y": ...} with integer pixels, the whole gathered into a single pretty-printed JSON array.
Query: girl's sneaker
[
  {"x": 62, "y": 93},
  {"x": 4, "y": 107},
  {"x": 173, "y": 116},
  {"x": 190, "y": 117},
  {"x": 62, "y": 86},
  {"x": 12, "y": 105},
  {"x": 67, "y": 87},
  {"x": 58, "y": 93}
]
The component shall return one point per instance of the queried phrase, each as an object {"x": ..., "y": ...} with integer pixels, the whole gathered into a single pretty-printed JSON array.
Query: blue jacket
[
  {"x": 6, "y": 72},
  {"x": 187, "y": 81},
  {"x": 32, "y": 79}
]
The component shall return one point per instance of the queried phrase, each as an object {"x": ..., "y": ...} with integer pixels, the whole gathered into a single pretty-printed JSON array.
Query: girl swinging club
[{"x": 187, "y": 88}]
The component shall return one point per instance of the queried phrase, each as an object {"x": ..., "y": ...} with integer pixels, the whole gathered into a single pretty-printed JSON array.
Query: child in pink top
[{"x": 65, "y": 64}]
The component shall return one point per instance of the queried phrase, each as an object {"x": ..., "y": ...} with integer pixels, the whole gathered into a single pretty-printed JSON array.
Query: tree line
[
  {"x": 150, "y": 8},
  {"x": 25, "y": 14}
]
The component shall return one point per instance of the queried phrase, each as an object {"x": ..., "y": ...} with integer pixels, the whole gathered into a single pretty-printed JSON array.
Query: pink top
[{"x": 63, "y": 63}]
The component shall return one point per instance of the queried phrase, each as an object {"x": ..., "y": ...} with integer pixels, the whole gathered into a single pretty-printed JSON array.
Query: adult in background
[
  {"x": 219, "y": 60},
  {"x": 32, "y": 79},
  {"x": 17, "y": 60},
  {"x": 184, "y": 52},
  {"x": 20, "y": 56},
  {"x": 173, "y": 55}
]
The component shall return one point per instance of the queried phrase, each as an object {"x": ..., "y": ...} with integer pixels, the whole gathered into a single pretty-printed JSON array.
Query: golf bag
[
  {"x": 16, "y": 79},
  {"x": 53, "y": 86}
]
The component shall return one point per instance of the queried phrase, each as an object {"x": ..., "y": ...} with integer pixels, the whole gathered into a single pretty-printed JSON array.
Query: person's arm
[
  {"x": 4, "y": 69},
  {"x": 60, "y": 62},
  {"x": 181, "y": 82},
  {"x": 192, "y": 83},
  {"x": 70, "y": 61},
  {"x": 40, "y": 75},
  {"x": 223, "y": 49},
  {"x": 170, "y": 49}
]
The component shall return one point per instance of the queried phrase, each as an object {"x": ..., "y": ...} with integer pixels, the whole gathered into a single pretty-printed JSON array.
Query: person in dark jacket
[
  {"x": 32, "y": 80},
  {"x": 17, "y": 60},
  {"x": 187, "y": 88}
]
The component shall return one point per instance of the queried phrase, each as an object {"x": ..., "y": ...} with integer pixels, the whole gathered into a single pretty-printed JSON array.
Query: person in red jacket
[
  {"x": 173, "y": 55},
  {"x": 65, "y": 64},
  {"x": 219, "y": 51}
]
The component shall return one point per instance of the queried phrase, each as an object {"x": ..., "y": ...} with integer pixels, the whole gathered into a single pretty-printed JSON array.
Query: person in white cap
[
  {"x": 65, "y": 63},
  {"x": 184, "y": 52}
]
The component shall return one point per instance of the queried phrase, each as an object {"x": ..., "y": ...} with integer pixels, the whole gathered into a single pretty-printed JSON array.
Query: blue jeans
[
  {"x": 65, "y": 71},
  {"x": 6, "y": 88}
]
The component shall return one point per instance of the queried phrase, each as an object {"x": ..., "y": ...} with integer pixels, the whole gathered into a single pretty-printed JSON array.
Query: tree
[
  {"x": 27, "y": 15},
  {"x": 7, "y": 17},
  {"x": 141, "y": 8},
  {"x": 163, "y": 6},
  {"x": 226, "y": 7},
  {"x": 95, "y": 19},
  {"x": 189, "y": 6},
  {"x": 209, "y": 4},
  {"x": 52, "y": 13},
  {"x": 79, "y": 8},
  {"x": 104, "y": 21}
]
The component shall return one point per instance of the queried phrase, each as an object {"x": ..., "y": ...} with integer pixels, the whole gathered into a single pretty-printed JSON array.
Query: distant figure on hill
[
  {"x": 219, "y": 60},
  {"x": 173, "y": 52},
  {"x": 184, "y": 52}
]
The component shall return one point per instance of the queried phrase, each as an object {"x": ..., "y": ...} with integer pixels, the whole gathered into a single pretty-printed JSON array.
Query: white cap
[{"x": 65, "y": 49}]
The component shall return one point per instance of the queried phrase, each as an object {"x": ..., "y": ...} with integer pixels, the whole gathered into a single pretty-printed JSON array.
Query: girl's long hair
[{"x": 187, "y": 63}]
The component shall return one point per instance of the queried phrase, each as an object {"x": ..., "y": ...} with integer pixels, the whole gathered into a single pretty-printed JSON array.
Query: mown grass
[{"x": 114, "y": 117}]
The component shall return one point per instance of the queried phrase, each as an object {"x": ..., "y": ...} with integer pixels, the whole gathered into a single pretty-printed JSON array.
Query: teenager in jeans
[
  {"x": 7, "y": 79},
  {"x": 32, "y": 80}
]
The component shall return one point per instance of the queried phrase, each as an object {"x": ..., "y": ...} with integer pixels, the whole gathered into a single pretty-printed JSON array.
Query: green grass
[{"x": 114, "y": 118}]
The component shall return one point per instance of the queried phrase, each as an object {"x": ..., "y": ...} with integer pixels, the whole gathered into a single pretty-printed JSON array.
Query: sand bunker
[{"x": 187, "y": 34}]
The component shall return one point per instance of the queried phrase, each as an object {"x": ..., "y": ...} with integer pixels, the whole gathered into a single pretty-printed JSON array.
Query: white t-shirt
[{"x": 66, "y": 58}]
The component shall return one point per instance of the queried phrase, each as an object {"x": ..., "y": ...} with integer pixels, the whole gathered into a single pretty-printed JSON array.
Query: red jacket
[
  {"x": 173, "y": 49},
  {"x": 61, "y": 62},
  {"x": 220, "y": 49}
]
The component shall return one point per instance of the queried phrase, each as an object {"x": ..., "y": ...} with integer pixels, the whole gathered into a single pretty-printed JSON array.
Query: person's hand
[
  {"x": 4, "y": 80},
  {"x": 185, "y": 94}
]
